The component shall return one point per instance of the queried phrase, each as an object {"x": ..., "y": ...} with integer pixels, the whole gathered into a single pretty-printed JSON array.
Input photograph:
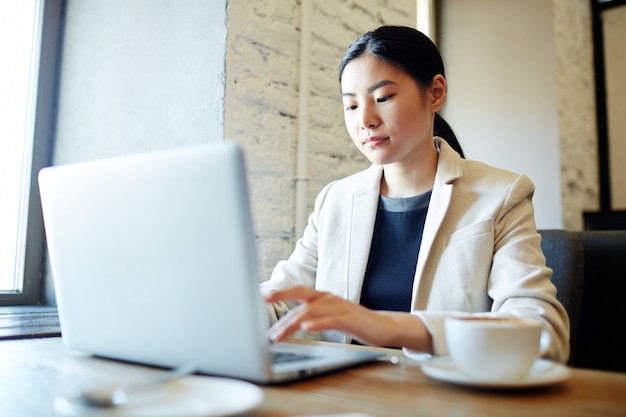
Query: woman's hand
[{"x": 324, "y": 311}]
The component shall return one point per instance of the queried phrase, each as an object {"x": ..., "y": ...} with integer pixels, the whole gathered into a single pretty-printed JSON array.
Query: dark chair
[
  {"x": 564, "y": 255},
  {"x": 601, "y": 338}
]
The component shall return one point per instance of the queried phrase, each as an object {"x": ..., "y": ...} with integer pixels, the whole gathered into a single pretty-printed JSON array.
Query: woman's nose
[{"x": 369, "y": 118}]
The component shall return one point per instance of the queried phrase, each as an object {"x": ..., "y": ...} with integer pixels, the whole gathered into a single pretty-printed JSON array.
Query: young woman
[{"x": 421, "y": 235}]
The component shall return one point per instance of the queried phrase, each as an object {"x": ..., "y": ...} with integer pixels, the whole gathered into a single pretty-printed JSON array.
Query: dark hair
[{"x": 411, "y": 51}]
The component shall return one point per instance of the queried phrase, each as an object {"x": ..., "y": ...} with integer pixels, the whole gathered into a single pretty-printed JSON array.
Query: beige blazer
[{"x": 480, "y": 250}]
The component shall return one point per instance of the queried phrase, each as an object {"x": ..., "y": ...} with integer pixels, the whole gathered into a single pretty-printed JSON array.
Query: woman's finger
[
  {"x": 287, "y": 325},
  {"x": 301, "y": 294}
]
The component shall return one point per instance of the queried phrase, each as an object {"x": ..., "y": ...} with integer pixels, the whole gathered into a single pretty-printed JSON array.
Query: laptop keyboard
[{"x": 284, "y": 357}]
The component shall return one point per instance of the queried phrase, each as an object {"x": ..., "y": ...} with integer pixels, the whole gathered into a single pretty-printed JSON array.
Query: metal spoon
[{"x": 114, "y": 395}]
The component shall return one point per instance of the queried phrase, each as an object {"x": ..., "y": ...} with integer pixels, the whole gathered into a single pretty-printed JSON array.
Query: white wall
[
  {"x": 139, "y": 75},
  {"x": 502, "y": 92}
]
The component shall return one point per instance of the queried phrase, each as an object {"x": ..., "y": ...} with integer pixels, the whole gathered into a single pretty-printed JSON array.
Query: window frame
[
  {"x": 43, "y": 128},
  {"x": 602, "y": 123}
]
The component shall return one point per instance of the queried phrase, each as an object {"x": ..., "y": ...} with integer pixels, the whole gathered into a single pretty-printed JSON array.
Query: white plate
[
  {"x": 191, "y": 396},
  {"x": 543, "y": 372}
]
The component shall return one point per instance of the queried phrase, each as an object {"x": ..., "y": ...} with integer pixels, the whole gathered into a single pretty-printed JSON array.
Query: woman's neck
[{"x": 406, "y": 180}]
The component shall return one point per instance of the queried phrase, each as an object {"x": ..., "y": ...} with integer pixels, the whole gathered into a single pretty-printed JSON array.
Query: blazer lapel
[
  {"x": 448, "y": 169},
  {"x": 362, "y": 219}
]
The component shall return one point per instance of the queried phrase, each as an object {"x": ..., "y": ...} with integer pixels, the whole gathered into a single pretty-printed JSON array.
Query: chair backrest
[
  {"x": 601, "y": 334},
  {"x": 564, "y": 255}
]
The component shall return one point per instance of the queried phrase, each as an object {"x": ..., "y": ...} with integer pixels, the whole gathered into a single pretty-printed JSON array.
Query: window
[
  {"x": 29, "y": 38},
  {"x": 18, "y": 34}
]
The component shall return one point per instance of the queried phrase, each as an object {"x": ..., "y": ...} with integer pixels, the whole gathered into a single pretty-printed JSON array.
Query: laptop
[{"x": 153, "y": 261}]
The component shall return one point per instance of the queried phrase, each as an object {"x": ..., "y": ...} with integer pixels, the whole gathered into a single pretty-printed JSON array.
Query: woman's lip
[{"x": 375, "y": 141}]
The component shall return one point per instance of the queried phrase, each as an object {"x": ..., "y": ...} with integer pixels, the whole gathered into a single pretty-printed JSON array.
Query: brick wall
[{"x": 261, "y": 102}]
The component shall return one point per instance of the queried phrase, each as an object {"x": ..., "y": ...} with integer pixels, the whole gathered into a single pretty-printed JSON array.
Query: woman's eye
[
  {"x": 350, "y": 107},
  {"x": 385, "y": 98}
]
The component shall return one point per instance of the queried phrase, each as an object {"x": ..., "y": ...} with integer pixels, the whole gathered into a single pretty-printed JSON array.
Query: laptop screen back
[{"x": 153, "y": 259}]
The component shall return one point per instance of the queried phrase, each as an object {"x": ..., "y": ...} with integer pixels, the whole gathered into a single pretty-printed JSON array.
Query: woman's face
[{"x": 388, "y": 116}]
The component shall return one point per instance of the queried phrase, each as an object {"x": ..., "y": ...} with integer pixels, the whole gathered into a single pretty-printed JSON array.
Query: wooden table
[{"x": 30, "y": 370}]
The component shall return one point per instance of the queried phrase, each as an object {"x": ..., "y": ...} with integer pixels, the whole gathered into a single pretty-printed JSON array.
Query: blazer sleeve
[
  {"x": 301, "y": 267},
  {"x": 516, "y": 277}
]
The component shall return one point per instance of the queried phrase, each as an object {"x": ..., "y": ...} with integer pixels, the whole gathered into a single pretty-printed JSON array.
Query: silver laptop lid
[{"x": 148, "y": 253}]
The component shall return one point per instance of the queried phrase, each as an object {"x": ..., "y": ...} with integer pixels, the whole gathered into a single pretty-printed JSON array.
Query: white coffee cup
[{"x": 488, "y": 349}]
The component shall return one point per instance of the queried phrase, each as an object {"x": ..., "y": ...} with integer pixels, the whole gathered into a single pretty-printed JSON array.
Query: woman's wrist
[{"x": 407, "y": 331}]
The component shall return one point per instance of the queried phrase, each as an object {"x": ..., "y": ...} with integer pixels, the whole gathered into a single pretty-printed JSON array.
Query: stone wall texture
[
  {"x": 261, "y": 102},
  {"x": 577, "y": 110}
]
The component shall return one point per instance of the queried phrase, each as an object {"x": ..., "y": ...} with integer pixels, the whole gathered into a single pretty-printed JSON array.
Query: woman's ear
[{"x": 438, "y": 91}]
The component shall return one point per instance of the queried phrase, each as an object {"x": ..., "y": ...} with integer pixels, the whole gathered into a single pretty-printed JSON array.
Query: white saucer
[
  {"x": 191, "y": 396},
  {"x": 543, "y": 372}
]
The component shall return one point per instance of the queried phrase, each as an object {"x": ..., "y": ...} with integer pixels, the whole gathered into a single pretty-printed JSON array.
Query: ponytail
[{"x": 443, "y": 130}]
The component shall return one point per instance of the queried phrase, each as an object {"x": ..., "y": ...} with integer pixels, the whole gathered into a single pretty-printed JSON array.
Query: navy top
[{"x": 388, "y": 282}]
